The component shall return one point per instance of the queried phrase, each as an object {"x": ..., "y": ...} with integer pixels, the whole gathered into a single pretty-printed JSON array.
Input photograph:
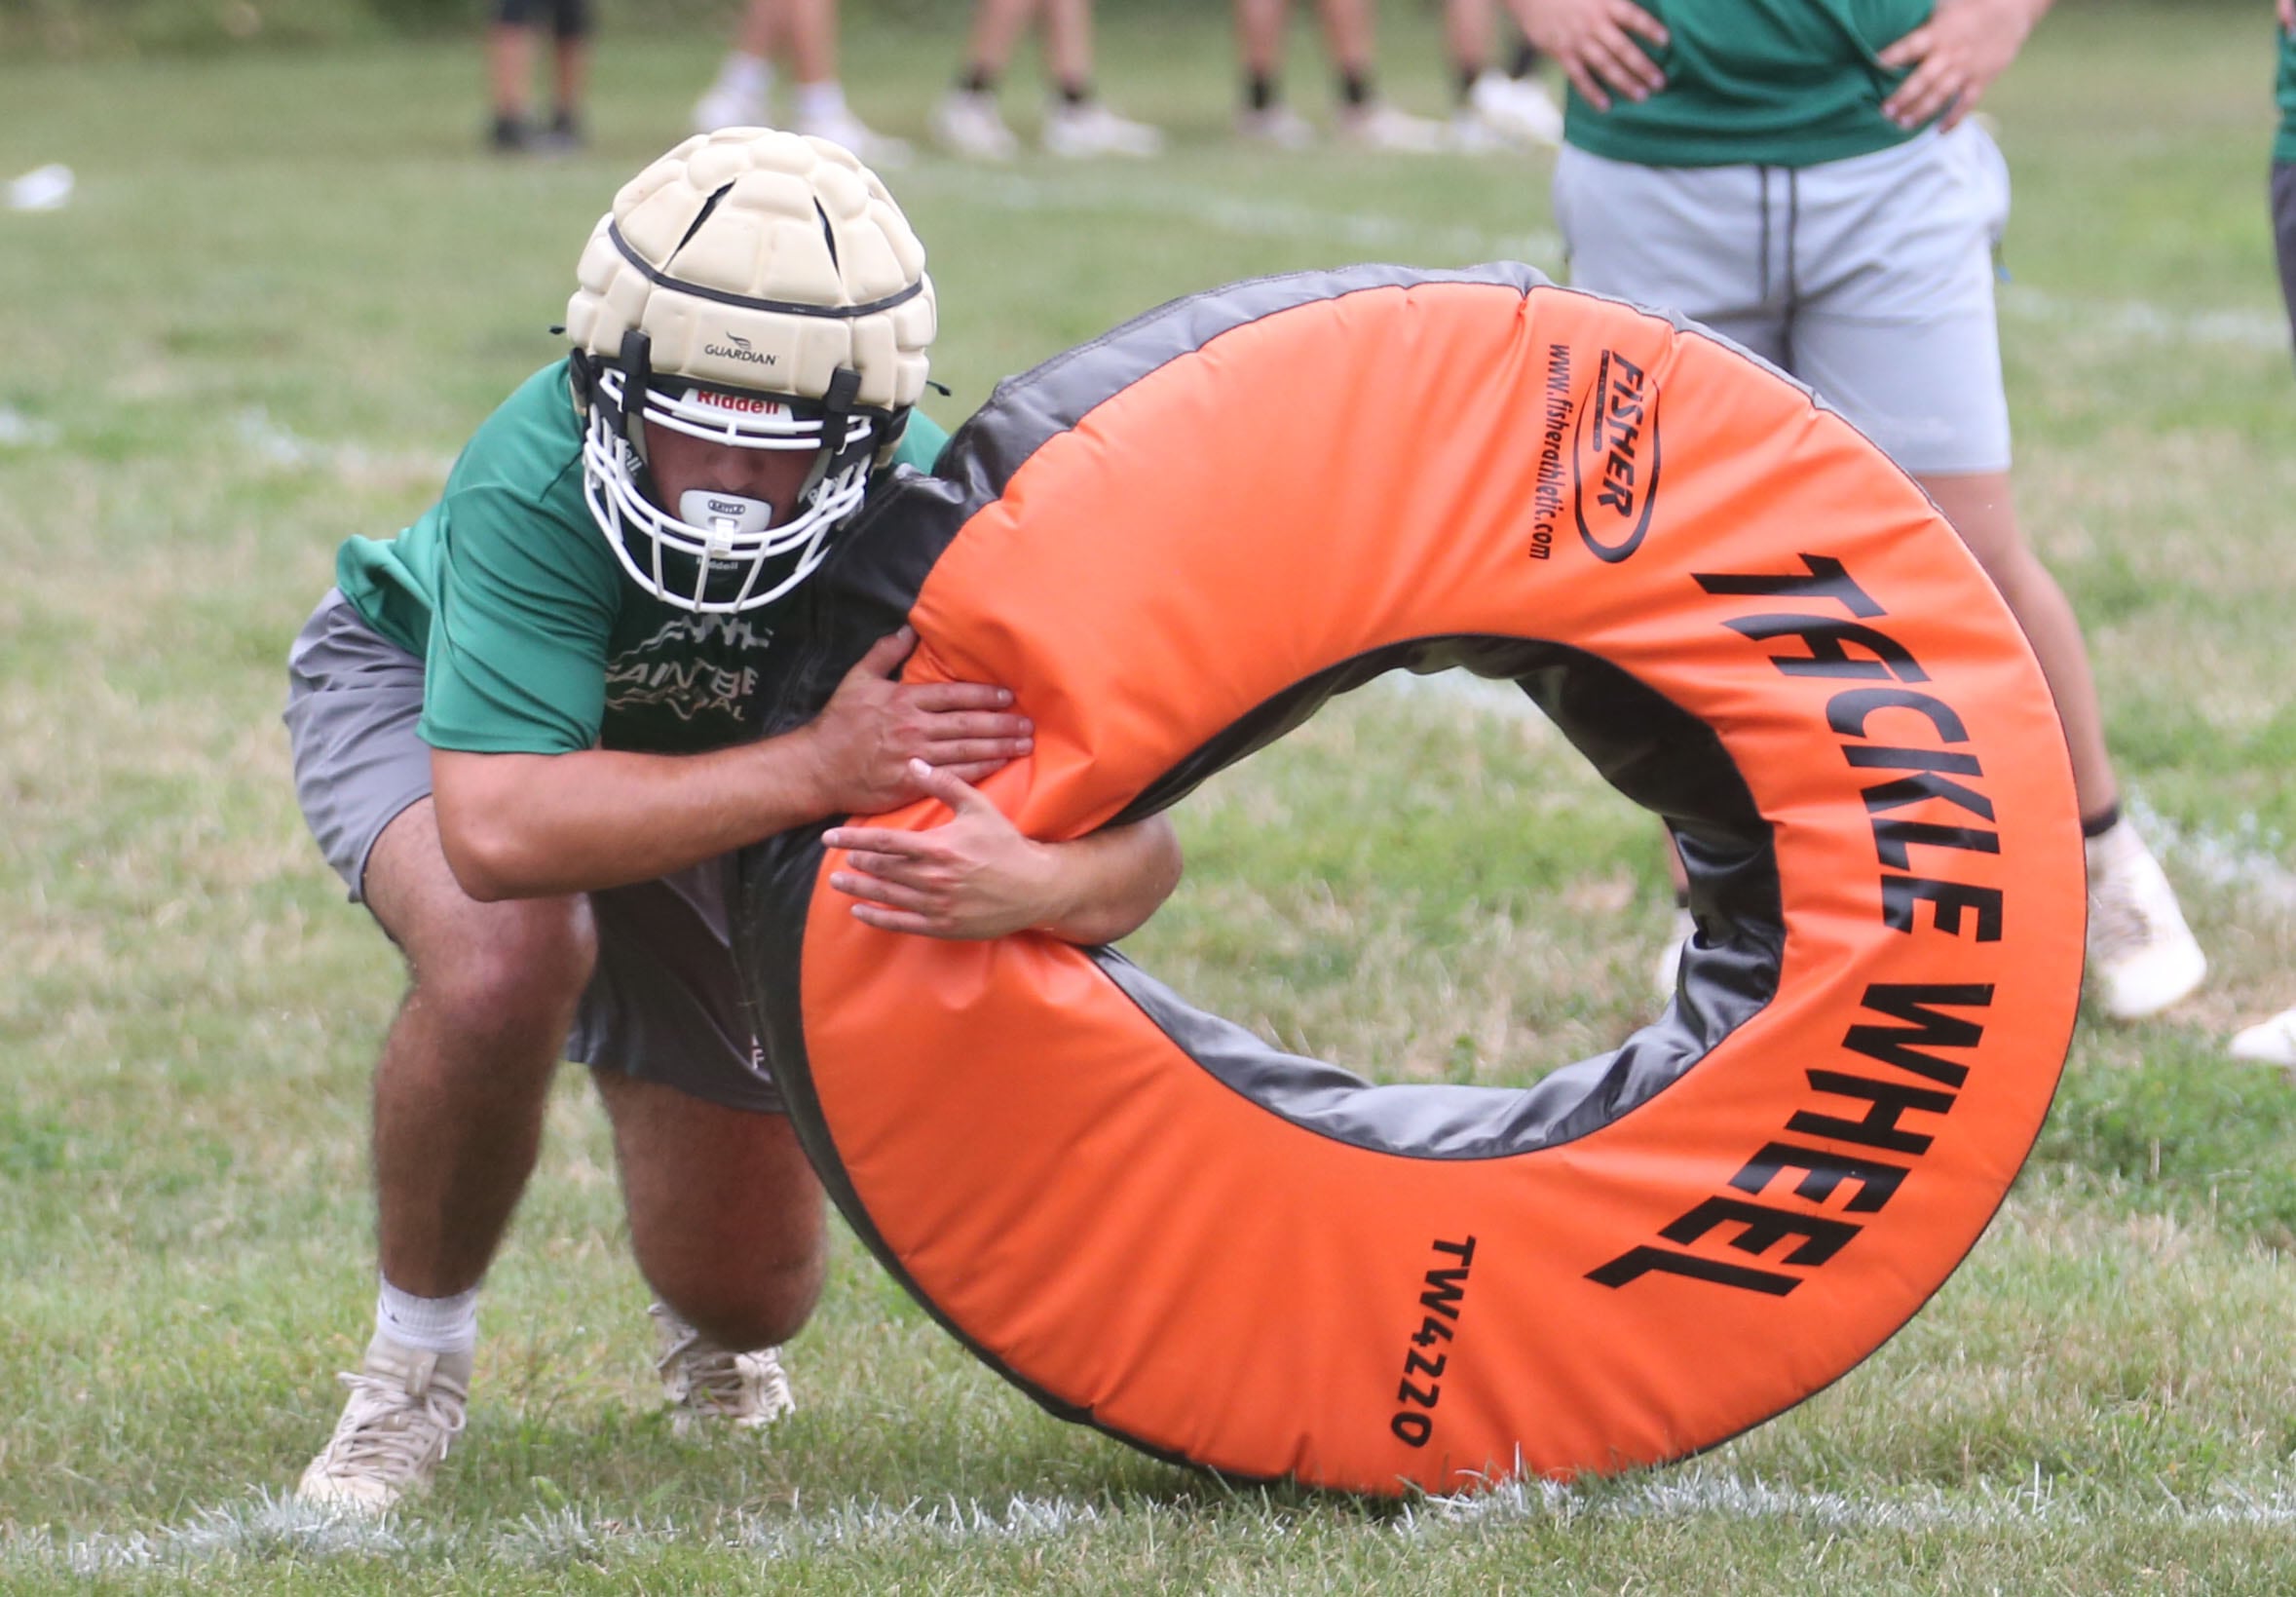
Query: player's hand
[
  {"x": 873, "y": 730},
  {"x": 973, "y": 877},
  {"x": 2287, "y": 11},
  {"x": 1594, "y": 41},
  {"x": 1955, "y": 56}
]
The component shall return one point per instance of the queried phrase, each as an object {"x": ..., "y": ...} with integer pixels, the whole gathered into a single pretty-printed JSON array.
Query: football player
[{"x": 524, "y": 735}]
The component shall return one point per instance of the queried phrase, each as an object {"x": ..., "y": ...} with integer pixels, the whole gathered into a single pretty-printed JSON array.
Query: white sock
[
  {"x": 818, "y": 102},
  {"x": 437, "y": 1325},
  {"x": 748, "y": 76}
]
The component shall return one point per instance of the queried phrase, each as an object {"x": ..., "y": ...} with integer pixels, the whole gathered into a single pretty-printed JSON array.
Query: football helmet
[{"x": 758, "y": 289}]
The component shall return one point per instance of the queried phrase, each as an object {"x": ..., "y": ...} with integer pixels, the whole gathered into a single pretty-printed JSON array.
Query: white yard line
[{"x": 263, "y": 1528}]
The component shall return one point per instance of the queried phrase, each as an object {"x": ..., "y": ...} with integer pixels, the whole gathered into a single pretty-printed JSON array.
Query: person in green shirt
[
  {"x": 1803, "y": 177},
  {"x": 2272, "y": 1040},
  {"x": 526, "y": 734}
]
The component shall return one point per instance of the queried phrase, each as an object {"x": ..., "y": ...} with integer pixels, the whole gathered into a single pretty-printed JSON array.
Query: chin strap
[
  {"x": 837, "y": 408},
  {"x": 637, "y": 377}
]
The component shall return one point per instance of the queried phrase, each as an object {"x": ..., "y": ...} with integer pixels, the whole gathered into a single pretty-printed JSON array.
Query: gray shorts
[
  {"x": 1870, "y": 278},
  {"x": 664, "y": 1003}
]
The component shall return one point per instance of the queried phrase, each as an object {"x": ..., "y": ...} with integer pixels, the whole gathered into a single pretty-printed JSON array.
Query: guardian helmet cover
[{"x": 760, "y": 290}]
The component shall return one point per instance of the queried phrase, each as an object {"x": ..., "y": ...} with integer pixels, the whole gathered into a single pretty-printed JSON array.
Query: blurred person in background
[
  {"x": 2273, "y": 1042},
  {"x": 525, "y": 734},
  {"x": 1365, "y": 119},
  {"x": 510, "y": 63},
  {"x": 967, "y": 122},
  {"x": 1804, "y": 179},
  {"x": 802, "y": 34},
  {"x": 1496, "y": 108}
]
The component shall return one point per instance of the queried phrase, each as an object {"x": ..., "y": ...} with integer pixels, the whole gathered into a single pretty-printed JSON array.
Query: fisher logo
[
  {"x": 1616, "y": 456},
  {"x": 737, "y": 348}
]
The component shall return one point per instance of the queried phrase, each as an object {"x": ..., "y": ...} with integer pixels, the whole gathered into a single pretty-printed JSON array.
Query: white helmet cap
[{"x": 758, "y": 289}]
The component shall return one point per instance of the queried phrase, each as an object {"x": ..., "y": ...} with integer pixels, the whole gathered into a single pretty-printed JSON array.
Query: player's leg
[
  {"x": 570, "y": 72},
  {"x": 1896, "y": 328},
  {"x": 465, "y": 1066},
  {"x": 1365, "y": 118},
  {"x": 726, "y": 1219},
  {"x": 1263, "y": 118},
  {"x": 1495, "y": 108},
  {"x": 741, "y": 94},
  {"x": 819, "y": 98},
  {"x": 967, "y": 121},
  {"x": 1079, "y": 124},
  {"x": 724, "y": 1214},
  {"x": 509, "y": 60},
  {"x": 1982, "y": 507}
]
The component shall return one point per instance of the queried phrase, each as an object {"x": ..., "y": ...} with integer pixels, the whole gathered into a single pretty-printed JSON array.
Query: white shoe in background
[
  {"x": 2269, "y": 1042},
  {"x": 1519, "y": 110},
  {"x": 43, "y": 188},
  {"x": 1278, "y": 126},
  {"x": 2143, "y": 957},
  {"x": 730, "y": 107},
  {"x": 968, "y": 123},
  {"x": 1376, "y": 125},
  {"x": 1091, "y": 128},
  {"x": 842, "y": 127}
]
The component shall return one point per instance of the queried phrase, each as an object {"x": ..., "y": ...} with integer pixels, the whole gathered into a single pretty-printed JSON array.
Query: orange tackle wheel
[{"x": 1177, "y": 541}]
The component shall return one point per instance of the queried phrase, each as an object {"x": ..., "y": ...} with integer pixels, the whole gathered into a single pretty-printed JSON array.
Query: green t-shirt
[
  {"x": 2283, "y": 146},
  {"x": 1773, "y": 83},
  {"x": 533, "y": 639}
]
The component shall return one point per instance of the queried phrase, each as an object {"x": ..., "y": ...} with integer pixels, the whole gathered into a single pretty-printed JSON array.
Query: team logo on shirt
[
  {"x": 697, "y": 668},
  {"x": 1617, "y": 459}
]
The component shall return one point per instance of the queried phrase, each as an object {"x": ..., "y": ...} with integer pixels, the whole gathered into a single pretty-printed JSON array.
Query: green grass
[{"x": 287, "y": 288}]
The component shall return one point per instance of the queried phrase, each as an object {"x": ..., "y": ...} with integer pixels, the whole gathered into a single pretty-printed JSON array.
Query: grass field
[{"x": 289, "y": 286}]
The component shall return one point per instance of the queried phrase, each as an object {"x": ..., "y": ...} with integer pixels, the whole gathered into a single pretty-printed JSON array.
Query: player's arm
[
  {"x": 534, "y": 826},
  {"x": 1955, "y": 56},
  {"x": 978, "y": 877}
]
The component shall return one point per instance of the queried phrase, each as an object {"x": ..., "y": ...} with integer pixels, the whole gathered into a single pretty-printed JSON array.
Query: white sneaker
[
  {"x": 707, "y": 1384},
  {"x": 1470, "y": 135},
  {"x": 1518, "y": 110},
  {"x": 875, "y": 149},
  {"x": 406, "y": 1405},
  {"x": 1081, "y": 131},
  {"x": 2141, "y": 955},
  {"x": 724, "y": 107},
  {"x": 1279, "y": 128},
  {"x": 968, "y": 124},
  {"x": 2269, "y": 1042},
  {"x": 1668, "y": 972},
  {"x": 1378, "y": 126}
]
